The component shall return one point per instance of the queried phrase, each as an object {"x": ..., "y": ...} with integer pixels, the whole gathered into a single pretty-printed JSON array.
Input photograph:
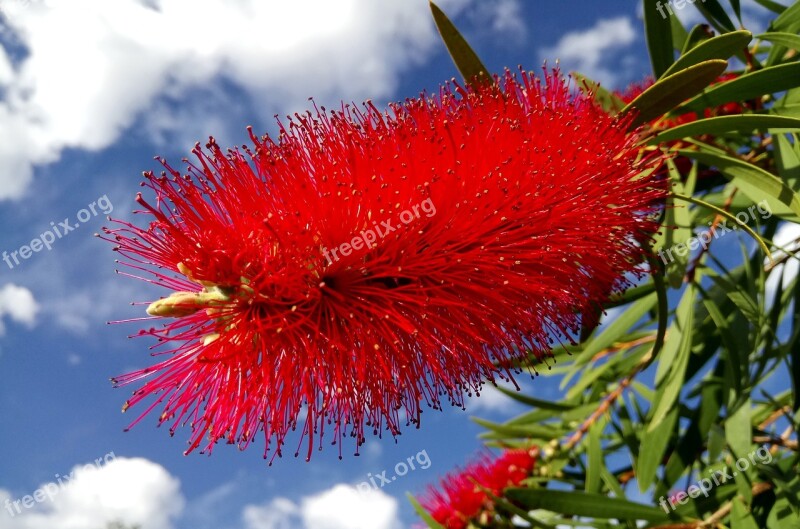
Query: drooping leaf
[
  {"x": 788, "y": 40},
  {"x": 721, "y": 47},
  {"x": 746, "y": 86},
  {"x": 738, "y": 430},
  {"x": 724, "y": 124},
  {"x": 584, "y": 504},
  {"x": 789, "y": 20},
  {"x": 653, "y": 447},
  {"x": 775, "y": 7},
  {"x": 670, "y": 91},
  {"x": 754, "y": 181}
]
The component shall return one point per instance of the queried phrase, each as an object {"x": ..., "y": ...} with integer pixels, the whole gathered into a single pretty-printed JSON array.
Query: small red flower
[
  {"x": 362, "y": 265},
  {"x": 462, "y": 495}
]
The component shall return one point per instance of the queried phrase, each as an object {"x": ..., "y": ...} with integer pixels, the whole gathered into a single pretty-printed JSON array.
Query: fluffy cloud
[
  {"x": 89, "y": 68},
  {"x": 588, "y": 52},
  {"x": 18, "y": 304},
  {"x": 130, "y": 491},
  {"x": 341, "y": 507},
  {"x": 786, "y": 236}
]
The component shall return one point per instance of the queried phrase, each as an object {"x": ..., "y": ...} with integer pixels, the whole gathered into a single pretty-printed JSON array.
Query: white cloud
[
  {"x": 492, "y": 400},
  {"x": 588, "y": 52},
  {"x": 503, "y": 17},
  {"x": 92, "y": 67},
  {"x": 280, "y": 513},
  {"x": 131, "y": 491},
  {"x": 786, "y": 236},
  {"x": 340, "y": 507},
  {"x": 18, "y": 304}
]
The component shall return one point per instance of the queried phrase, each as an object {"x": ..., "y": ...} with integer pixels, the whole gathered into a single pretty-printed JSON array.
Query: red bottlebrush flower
[
  {"x": 462, "y": 495},
  {"x": 362, "y": 265}
]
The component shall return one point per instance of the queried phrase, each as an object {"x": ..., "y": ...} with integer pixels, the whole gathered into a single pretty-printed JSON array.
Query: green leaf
[
  {"x": 663, "y": 307},
  {"x": 433, "y": 524},
  {"x": 747, "y": 86},
  {"x": 631, "y": 294},
  {"x": 747, "y": 305},
  {"x": 787, "y": 158},
  {"x": 730, "y": 217},
  {"x": 721, "y": 47},
  {"x": 737, "y": 8},
  {"x": 738, "y": 430},
  {"x": 680, "y": 36},
  {"x": 653, "y": 446},
  {"x": 534, "y": 402},
  {"x": 728, "y": 338},
  {"x": 520, "y": 430},
  {"x": 658, "y": 33},
  {"x": 594, "y": 453},
  {"x": 775, "y": 7},
  {"x": 616, "y": 329},
  {"x": 675, "y": 231},
  {"x": 674, "y": 359},
  {"x": 670, "y": 91},
  {"x": 585, "y": 504},
  {"x": 716, "y": 442},
  {"x": 724, "y": 124},
  {"x": 789, "y": 20},
  {"x": 755, "y": 182},
  {"x": 741, "y": 518},
  {"x": 715, "y": 14},
  {"x": 788, "y": 40},
  {"x": 464, "y": 57},
  {"x": 699, "y": 34}
]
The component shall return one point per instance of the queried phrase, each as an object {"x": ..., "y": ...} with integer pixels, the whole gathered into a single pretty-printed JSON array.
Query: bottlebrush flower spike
[
  {"x": 363, "y": 265},
  {"x": 462, "y": 495}
]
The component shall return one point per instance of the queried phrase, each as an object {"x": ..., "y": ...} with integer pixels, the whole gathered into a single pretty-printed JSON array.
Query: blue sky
[{"x": 90, "y": 91}]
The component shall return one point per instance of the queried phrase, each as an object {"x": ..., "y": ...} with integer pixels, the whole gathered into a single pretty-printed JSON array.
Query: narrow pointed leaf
[
  {"x": 721, "y": 47},
  {"x": 724, "y": 124},
  {"x": 699, "y": 34},
  {"x": 789, "y": 20},
  {"x": 464, "y": 57},
  {"x": 715, "y": 13},
  {"x": 747, "y": 86},
  {"x": 659, "y": 37},
  {"x": 670, "y": 91},
  {"x": 653, "y": 446},
  {"x": 775, "y": 7},
  {"x": 788, "y": 40},
  {"x": 584, "y": 504},
  {"x": 733, "y": 219},
  {"x": 755, "y": 182}
]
